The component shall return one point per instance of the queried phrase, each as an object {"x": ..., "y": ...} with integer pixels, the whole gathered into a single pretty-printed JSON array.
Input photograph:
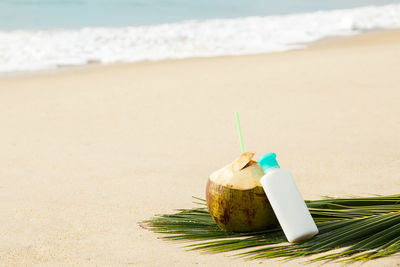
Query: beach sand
[{"x": 88, "y": 153}]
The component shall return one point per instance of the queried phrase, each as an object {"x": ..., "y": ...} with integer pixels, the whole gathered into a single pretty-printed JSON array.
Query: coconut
[{"x": 235, "y": 197}]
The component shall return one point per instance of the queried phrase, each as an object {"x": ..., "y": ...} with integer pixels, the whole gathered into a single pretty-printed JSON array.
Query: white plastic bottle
[{"x": 286, "y": 201}]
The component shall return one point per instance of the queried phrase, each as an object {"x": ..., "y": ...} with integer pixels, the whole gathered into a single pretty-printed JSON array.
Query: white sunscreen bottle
[{"x": 286, "y": 201}]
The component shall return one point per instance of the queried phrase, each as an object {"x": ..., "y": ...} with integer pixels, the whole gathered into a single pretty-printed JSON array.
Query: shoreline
[{"x": 323, "y": 43}]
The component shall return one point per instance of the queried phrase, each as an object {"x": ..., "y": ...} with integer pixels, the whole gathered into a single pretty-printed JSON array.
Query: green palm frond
[{"x": 364, "y": 228}]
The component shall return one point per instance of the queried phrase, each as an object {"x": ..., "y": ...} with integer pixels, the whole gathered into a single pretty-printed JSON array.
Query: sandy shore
[{"x": 86, "y": 154}]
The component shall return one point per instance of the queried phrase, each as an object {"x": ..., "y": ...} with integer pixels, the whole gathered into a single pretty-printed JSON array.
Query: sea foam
[{"x": 24, "y": 50}]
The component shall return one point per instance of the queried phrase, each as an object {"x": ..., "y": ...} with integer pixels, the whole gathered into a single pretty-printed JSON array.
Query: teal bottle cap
[{"x": 268, "y": 161}]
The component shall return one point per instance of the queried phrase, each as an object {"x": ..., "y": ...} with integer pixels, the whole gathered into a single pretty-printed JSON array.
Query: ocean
[{"x": 47, "y": 34}]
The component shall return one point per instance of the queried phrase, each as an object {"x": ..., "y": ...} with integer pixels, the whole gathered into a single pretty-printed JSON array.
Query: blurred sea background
[{"x": 47, "y": 34}]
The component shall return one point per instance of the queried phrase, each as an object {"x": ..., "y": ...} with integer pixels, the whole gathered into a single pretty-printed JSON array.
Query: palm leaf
[{"x": 364, "y": 228}]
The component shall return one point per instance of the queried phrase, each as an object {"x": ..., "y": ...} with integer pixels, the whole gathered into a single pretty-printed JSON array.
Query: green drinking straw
[{"x": 240, "y": 131}]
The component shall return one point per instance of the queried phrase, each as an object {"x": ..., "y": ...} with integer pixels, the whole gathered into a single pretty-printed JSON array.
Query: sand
[{"x": 88, "y": 153}]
